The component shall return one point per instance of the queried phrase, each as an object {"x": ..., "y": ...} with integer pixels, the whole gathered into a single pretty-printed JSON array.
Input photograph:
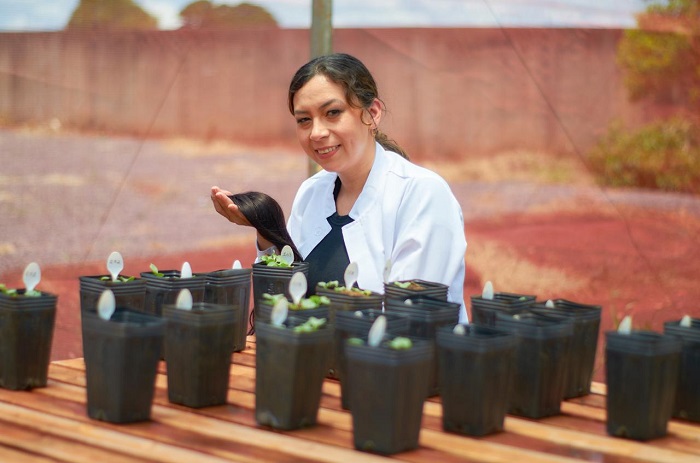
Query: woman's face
[{"x": 336, "y": 135}]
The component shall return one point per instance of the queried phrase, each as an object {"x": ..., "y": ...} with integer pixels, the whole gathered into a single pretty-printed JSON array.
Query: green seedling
[
  {"x": 120, "y": 278},
  {"x": 310, "y": 325},
  {"x": 155, "y": 271},
  {"x": 400, "y": 343},
  {"x": 337, "y": 287},
  {"x": 312, "y": 302},
  {"x": 275, "y": 260}
]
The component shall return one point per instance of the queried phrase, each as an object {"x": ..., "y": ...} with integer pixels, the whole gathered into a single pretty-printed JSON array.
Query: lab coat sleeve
[{"x": 429, "y": 241}]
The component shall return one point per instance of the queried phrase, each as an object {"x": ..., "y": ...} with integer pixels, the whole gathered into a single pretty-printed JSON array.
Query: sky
[{"x": 49, "y": 15}]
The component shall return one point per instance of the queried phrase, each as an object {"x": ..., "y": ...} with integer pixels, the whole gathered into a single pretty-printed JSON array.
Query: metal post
[{"x": 321, "y": 42}]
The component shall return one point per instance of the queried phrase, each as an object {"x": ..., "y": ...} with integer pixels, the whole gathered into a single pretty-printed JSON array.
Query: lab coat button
[{"x": 318, "y": 231}]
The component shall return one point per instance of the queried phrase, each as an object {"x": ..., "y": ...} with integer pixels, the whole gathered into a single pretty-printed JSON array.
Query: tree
[
  {"x": 203, "y": 14},
  {"x": 661, "y": 58},
  {"x": 110, "y": 15}
]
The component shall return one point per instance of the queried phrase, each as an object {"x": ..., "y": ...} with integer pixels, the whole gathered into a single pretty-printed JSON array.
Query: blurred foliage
[
  {"x": 661, "y": 61},
  {"x": 661, "y": 58},
  {"x": 110, "y": 15},
  {"x": 203, "y": 14},
  {"x": 664, "y": 155}
]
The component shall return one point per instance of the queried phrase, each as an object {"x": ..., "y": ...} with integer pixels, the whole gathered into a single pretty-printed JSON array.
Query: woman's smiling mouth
[{"x": 327, "y": 150}]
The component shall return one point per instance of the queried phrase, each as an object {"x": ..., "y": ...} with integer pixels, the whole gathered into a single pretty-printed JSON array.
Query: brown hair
[
  {"x": 350, "y": 73},
  {"x": 267, "y": 216}
]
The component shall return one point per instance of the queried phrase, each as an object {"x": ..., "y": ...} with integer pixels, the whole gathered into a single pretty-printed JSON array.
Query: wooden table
[{"x": 51, "y": 425}]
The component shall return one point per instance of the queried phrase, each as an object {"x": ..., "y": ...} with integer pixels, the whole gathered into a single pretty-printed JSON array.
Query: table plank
[{"x": 56, "y": 417}]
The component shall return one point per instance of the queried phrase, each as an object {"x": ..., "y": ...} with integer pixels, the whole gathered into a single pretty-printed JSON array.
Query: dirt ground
[{"x": 535, "y": 223}]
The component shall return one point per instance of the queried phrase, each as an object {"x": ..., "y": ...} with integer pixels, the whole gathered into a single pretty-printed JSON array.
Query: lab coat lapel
[{"x": 363, "y": 237}]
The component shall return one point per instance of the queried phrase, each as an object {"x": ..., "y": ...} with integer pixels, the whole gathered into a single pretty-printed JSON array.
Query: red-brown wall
[{"x": 450, "y": 92}]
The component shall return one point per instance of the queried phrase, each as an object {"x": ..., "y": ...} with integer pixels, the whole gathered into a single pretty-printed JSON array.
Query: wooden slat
[{"x": 56, "y": 417}]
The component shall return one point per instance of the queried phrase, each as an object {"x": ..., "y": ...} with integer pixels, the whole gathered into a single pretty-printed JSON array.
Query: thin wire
[
  {"x": 132, "y": 163},
  {"x": 567, "y": 134}
]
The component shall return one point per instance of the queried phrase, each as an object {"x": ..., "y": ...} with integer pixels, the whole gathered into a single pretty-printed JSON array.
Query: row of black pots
[
  {"x": 650, "y": 376},
  {"x": 150, "y": 293},
  {"x": 122, "y": 356}
]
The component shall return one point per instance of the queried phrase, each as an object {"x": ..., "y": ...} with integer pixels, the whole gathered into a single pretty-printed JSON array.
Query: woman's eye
[
  {"x": 303, "y": 120},
  {"x": 334, "y": 112}
]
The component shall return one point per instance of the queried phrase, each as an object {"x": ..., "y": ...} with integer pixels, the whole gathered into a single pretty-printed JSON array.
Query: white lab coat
[{"x": 405, "y": 213}]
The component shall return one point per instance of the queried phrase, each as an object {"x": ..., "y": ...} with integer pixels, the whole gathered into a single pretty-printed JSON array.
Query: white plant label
[
  {"x": 297, "y": 287},
  {"x": 287, "y": 255},
  {"x": 236, "y": 265},
  {"x": 487, "y": 293},
  {"x": 31, "y": 276},
  {"x": 625, "y": 325},
  {"x": 184, "y": 299},
  {"x": 106, "y": 304},
  {"x": 115, "y": 264},
  {"x": 350, "y": 275},
  {"x": 376, "y": 332},
  {"x": 686, "y": 321},
  {"x": 279, "y": 312},
  {"x": 186, "y": 271}
]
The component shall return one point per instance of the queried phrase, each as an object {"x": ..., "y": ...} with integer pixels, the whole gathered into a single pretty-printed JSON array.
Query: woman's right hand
[{"x": 226, "y": 207}]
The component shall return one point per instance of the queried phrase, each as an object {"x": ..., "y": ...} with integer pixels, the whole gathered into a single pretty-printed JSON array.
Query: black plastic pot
[
  {"x": 232, "y": 288},
  {"x": 387, "y": 392},
  {"x": 540, "y": 362},
  {"x": 484, "y": 310},
  {"x": 289, "y": 371},
  {"x": 264, "y": 310},
  {"x": 641, "y": 371},
  {"x": 584, "y": 341},
  {"x": 345, "y": 302},
  {"x": 198, "y": 345},
  {"x": 164, "y": 290},
  {"x": 476, "y": 373},
  {"x": 26, "y": 333},
  {"x": 428, "y": 289},
  {"x": 687, "y": 404},
  {"x": 130, "y": 294},
  {"x": 357, "y": 324},
  {"x": 273, "y": 280},
  {"x": 426, "y": 315},
  {"x": 121, "y": 361}
]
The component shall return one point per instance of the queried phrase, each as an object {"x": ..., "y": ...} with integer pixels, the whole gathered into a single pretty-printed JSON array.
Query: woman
[{"x": 368, "y": 204}]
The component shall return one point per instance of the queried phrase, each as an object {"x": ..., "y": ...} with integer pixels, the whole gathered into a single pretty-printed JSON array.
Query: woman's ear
[{"x": 375, "y": 110}]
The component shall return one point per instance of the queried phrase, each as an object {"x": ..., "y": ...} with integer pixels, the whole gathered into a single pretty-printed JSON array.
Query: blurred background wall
[{"x": 449, "y": 92}]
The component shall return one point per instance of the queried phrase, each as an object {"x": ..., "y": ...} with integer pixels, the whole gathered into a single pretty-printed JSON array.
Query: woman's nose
[{"x": 318, "y": 131}]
